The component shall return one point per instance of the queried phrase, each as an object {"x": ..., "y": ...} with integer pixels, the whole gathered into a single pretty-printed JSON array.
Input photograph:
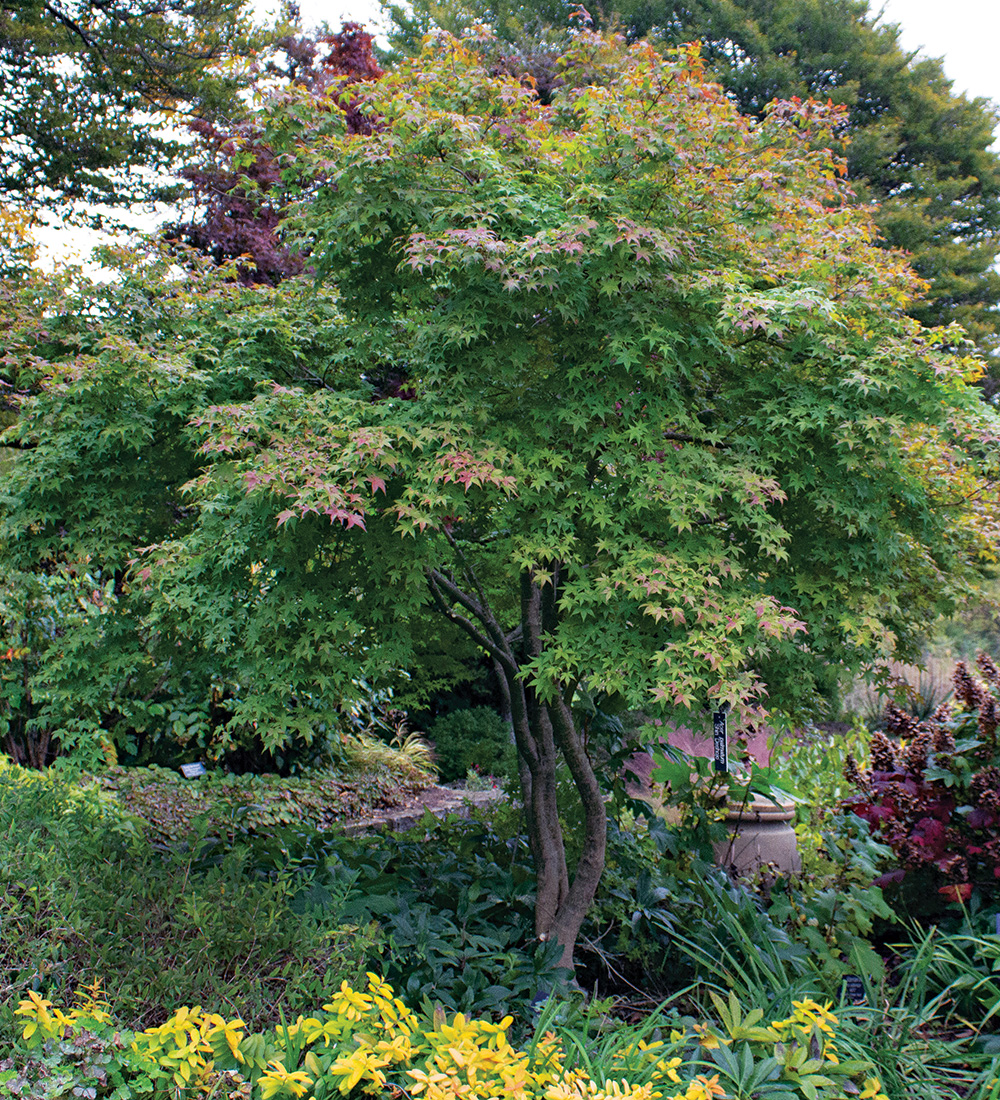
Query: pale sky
[{"x": 965, "y": 33}]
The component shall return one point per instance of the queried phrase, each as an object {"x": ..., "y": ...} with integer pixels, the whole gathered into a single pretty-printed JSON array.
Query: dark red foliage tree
[{"x": 237, "y": 185}]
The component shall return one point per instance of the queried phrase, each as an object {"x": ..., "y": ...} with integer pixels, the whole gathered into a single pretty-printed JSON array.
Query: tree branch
[
  {"x": 682, "y": 437},
  {"x": 439, "y": 584},
  {"x": 74, "y": 28},
  {"x": 480, "y": 610},
  {"x": 470, "y": 574}
]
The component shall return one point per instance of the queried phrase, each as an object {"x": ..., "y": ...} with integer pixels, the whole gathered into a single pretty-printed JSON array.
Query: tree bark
[
  {"x": 544, "y": 729},
  {"x": 590, "y": 866}
]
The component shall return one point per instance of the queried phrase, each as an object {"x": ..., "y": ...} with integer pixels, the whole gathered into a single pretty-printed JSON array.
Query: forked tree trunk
[
  {"x": 544, "y": 730},
  {"x": 561, "y": 900}
]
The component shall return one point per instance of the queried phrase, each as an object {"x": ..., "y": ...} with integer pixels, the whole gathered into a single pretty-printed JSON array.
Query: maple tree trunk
[
  {"x": 590, "y": 866},
  {"x": 544, "y": 730},
  {"x": 20, "y": 744}
]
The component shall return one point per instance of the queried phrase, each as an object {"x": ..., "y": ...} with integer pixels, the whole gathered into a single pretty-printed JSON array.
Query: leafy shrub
[
  {"x": 812, "y": 766},
  {"x": 834, "y": 910},
  {"x": 51, "y": 621},
  {"x": 85, "y": 894},
  {"x": 476, "y": 737},
  {"x": 80, "y": 677},
  {"x": 453, "y": 905},
  {"x": 934, "y": 796},
  {"x": 371, "y": 1042}
]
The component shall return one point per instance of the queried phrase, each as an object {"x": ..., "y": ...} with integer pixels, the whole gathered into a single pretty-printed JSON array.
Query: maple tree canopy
[
  {"x": 915, "y": 147},
  {"x": 648, "y": 343}
]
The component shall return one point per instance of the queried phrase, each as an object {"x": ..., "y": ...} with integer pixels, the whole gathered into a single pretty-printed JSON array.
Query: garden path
[{"x": 440, "y": 801}]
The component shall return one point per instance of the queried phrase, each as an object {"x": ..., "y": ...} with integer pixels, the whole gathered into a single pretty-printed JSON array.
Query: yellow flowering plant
[
  {"x": 353, "y": 1043},
  {"x": 278, "y": 1082},
  {"x": 369, "y": 1043},
  {"x": 787, "y": 1058},
  {"x": 187, "y": 1046},
  {"x": 43, "y": 1020}
]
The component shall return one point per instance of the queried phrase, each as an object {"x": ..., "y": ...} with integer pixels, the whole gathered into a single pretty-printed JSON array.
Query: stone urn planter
[{"x": 760, "y": 835}]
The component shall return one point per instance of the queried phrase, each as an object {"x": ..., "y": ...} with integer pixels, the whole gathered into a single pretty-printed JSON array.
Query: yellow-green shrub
[{"x": 370, "y": 1043}]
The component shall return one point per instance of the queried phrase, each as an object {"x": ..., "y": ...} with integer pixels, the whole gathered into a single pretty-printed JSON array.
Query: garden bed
[{"x": 382, "y": 785}]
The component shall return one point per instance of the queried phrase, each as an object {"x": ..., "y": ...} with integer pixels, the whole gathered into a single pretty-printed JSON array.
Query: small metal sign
[
  {"x": 854, "y": 989},
  {"x": 720, "y": 739},
  {"x": 189, "y": 771}
]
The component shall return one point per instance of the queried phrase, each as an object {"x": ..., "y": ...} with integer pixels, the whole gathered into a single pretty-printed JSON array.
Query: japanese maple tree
[
  {"x": 665, "y": 414},
  {"x": 621, "y": 386}
]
